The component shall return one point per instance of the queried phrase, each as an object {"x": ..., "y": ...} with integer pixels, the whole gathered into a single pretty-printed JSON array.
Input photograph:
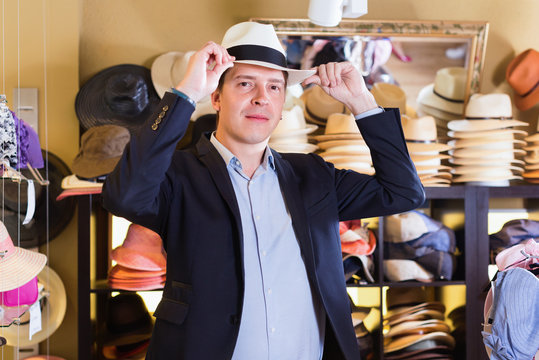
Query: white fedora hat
[
  {"x": 486, "y": 133},
  {"x": 340, "y": 126},
  {"x": 419, "y": 159},
  {"x": 423, "y": 110},
  {"x": 319, "y": 105},
  {"x": 438, "y": 175},
  {"x": 55, "y": 305},
  {"x": 389, "y": 96},
  {"x": 336, "y": 145},
  {"x": 257, "y": 44},
  {"x": 168, "y": 70},
  {"x": 483, "y": 125},
  {"x": 485, "y": 153},
  {"x": 447, "y": 92}
]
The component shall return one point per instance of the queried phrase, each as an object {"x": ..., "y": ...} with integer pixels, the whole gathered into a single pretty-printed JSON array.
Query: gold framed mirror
[{"x": 419, "y": 48}]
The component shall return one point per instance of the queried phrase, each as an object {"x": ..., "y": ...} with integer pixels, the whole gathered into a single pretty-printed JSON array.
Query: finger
[
  {"x": 322, "y": 73},
  {"x": 313, "y": 79},
  {"x": 338, "y": 73},
  {"x": 330, "y": 69}
]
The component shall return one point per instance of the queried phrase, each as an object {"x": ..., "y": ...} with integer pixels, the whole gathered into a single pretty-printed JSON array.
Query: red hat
[{"x": 523, "y": 76}]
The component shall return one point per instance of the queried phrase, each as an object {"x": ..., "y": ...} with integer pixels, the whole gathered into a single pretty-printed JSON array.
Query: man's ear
[{"x": 216, "y": 100}]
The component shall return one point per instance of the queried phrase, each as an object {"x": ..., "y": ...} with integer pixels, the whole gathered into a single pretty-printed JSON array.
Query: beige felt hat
[
  {"x": 340, "y": 126},
  {"x": 483, "y": 125},
  {"x": 413, "y": 327},
  {"x": 471, "y": 169},
  {"x": 487, "y": 143},
  {"x": 389, "y": 96},
  {"x": 447, "y": 92},
  {"x": 319, "y": 105},
  {"x": 482, "y": 153}
]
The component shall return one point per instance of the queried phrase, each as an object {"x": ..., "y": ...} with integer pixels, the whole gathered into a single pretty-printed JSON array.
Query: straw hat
[
  {"x": 340, "y": 127},
  {"x": 319, "y": 105},
  {"x": 489, "y": 106},
  {"x": 466, "y": 170},
  {"x": 292, "y": 124},
  {"x": 421, "y": 136},
  {"x": 491, "y": 153},
  {"x": 486, "y": 143},
  {"x": 257, "y": 44},
  {"x": 488, "y": 176},
  {"x": 482, "y": 125},
  {"x": 52, "y": 314},
  {"x": 486, "y": 133},
  {"x": 447, "y": 92},
  {"x": 17, "y": 265},
  {"x": 523, "y": 75},
  {"x": 485, "y": 161},
  {"x": 389, "y": 96},
  {"x": 303, "y": 148}
]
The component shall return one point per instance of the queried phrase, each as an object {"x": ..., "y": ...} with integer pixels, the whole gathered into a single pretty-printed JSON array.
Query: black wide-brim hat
[
  {"x": 119, "y": 95},
  {"x": 50, "y": 216}
]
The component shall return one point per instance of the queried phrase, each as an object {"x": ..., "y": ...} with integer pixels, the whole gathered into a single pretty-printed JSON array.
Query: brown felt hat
[{"x": 100, "y": 150}]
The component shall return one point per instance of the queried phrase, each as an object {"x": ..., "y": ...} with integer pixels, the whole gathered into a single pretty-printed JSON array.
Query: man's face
[{"x": 250, "y": 104}]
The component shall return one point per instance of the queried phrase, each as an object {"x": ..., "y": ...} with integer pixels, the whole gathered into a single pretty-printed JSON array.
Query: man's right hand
[{"x": 204, "y": 70}]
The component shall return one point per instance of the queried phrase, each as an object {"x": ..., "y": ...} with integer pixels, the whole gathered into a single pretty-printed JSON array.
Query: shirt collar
[{"x": 232, "y": 160}]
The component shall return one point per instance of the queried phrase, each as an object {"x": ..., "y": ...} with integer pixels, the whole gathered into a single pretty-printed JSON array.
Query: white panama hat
[{"x": 257, "y": 44}]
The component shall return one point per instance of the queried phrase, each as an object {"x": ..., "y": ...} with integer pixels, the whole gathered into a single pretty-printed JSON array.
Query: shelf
[{"x": 102, "y": 286}]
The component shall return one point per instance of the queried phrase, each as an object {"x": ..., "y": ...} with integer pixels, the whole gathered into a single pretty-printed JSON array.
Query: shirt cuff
[
  {"x": 374, "y": 111},
  {"x": 183, "y": 96}
]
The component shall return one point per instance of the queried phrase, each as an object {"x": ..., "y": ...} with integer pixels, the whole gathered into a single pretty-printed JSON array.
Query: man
[{"x": 254, "y": 268}]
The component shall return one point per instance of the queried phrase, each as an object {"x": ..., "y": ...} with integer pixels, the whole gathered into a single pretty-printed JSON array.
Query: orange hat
[{"x": 523, "y": 76}]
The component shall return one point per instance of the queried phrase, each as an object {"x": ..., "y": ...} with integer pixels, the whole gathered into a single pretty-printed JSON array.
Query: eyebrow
[{"x": 251, "y": 77}]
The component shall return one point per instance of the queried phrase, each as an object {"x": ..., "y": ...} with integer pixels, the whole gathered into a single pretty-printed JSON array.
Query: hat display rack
[{"x": 32, "y": 296}]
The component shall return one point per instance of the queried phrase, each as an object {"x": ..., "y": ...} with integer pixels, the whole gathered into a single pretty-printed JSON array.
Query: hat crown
[
  {"x": 7, "y": 248},
  {"x": 292, "y": 119},
  {"x": 142, "y": 239},
  {"x": 126, "y": 94},
  {"x": 420, "y": 129},
  {"x": 252, "y": 33},
  {"x": 126, "y": 313},
  {"x": 495, "y": 106},
  {"x": 389, "y": 96},
  {"x": 450, "y": 82},
  {"x": 104, "y": 142},
  {"x": 179, "y": 68},
  {"x": 320, "y": 105},
  {"x": 523, "y": 71},
  {"x": 339, "y": 123}
]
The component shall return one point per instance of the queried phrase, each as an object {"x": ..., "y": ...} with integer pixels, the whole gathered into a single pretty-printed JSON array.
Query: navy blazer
[{"x": 187, "y": 197}]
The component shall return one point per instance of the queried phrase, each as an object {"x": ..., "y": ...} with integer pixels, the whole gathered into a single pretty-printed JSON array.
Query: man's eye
[
  {"x": 244, "y": 83},
  {"x": 276, "y": 88}
]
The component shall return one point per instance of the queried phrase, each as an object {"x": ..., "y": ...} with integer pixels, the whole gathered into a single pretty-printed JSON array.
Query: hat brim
[
  {"x": 161, "y": 71},
  {"x": 483, "y": 125},
  {"x": 464, "y": 170},
  {"x": 426, "y": 147},
  {"x": 331, "y": 137},
  {"x": 469, "y": 143},
  {"x": 91, "y": 107},
  {"x": 486, "y": 153},
  {"x": 427, "y": 97},
  {"x": 486, "y": 133},
  {"x": 53, "y": 315},
  {"x": 129, "y": 258},
  {"x": 294, "y": 76},
  {"x": 56, "y": 214},
  {"x": 294, "y": 148},
  {"x": 20, "y": 267},
  {"x": 484, "y": 161}
]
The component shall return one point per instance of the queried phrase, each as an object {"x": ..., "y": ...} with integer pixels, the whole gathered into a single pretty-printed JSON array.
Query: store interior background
[{"x": 65, "y": 42}]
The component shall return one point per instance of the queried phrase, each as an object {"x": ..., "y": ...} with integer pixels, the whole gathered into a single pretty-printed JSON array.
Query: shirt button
[
  {"x": 258, "y": 217},
  {"x": 272, "y": 330},
  {"x": 269, "y": 291},
  {"x": 264, "y": 252}
]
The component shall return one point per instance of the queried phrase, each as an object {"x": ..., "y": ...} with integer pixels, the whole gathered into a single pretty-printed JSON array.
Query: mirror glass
[{"x": 406, "y": 53}]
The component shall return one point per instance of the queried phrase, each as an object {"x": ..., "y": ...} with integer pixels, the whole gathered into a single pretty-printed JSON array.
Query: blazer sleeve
[
  {"x": 139, "y": 188},
  {"x": 395, "y": 187}
]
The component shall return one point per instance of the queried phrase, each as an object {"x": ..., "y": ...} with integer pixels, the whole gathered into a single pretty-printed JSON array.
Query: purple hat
[{"x": 29, "y": 145}]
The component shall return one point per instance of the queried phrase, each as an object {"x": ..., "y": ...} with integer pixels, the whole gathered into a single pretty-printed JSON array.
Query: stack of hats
[
  {"x": 417, "y": 247},
  {"x": 319, "y": 105},
  {"x": 357, "y": 245},
  {"x": 364, "y": 338},
  {"x": 141, "y": 261},
  {"x": 290, "y": 135},
  {"x": 522, "y": 74},
  {"x": 343, "y": 145},
  {"x": 168, "y": 70},
  {"x": 425, "y": 150},
  {"x": 484, "y": 143},
  {"x": 100, "y": 150},
  {"x": 416, "y": 327},
  {"x": 392, "y": 96},
  {"x": 127, "y": 329},
  {"x": 531, "y": 173},
  {"x": 444, "y": 99}
]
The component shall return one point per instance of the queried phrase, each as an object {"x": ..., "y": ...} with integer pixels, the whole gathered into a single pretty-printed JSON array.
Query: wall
[
  {"x": 135, "y": 31},
  {"x": 26, "y": 26}
]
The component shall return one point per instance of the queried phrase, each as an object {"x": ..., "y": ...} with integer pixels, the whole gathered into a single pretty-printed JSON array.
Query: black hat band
[{"x": 258, "y": 53}]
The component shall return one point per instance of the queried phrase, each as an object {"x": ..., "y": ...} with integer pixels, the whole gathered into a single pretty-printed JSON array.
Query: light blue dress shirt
[{"x": 281, "y": 318}]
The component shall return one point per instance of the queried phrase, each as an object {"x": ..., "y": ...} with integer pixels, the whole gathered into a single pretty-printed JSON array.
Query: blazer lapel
[{"x": 294, "y": 202}]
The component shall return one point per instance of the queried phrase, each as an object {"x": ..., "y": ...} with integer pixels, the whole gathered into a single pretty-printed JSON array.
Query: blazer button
[
  {"x": 154, "y": 127},
  {"x": 161, "y": 114},
  {"x": 158, "y": 121},
  {"x": 165, "y": 108}
]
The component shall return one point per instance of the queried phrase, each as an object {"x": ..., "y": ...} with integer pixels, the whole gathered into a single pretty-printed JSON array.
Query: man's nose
[{"x": 261, "y": 96}]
